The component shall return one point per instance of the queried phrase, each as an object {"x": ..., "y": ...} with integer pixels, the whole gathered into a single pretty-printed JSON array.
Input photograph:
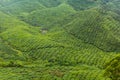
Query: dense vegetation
[
  {"x": 59, "y": 40},
  {"x": 113, "y": 68}
]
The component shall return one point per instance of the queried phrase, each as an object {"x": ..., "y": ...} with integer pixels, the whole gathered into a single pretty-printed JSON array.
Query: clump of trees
[
  {"x": 112, "y": 68},
  {"x": 11, "y": 64}
]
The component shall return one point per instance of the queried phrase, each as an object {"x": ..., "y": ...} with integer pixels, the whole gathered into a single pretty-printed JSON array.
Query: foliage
[
  {"x": 92, "y": 28},
  {"x": 78, "y": 42},
  {"x": 82, "y": 4},
  {"x": 112, "y": 68}
]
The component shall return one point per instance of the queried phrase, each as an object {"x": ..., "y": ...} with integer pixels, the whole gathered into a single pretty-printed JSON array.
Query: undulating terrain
[{"x": 59, "y": 39}]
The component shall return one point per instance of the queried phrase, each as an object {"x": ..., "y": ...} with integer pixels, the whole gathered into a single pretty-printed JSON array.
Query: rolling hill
[
  {"x": 92, "y": 28},
  {"x": 47, "y": 17}
]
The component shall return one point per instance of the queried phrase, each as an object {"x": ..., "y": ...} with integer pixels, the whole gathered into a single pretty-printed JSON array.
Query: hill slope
[
  {"x": 54, "y": 40},
  {"x": 47, "y": 17},
  {"x": 92, "y": 28}
]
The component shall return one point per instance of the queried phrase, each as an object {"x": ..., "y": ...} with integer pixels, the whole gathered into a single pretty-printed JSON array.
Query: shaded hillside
[
  {"x": 47, "y": 17},
  {"x": 51, "y": 3},
  {"x": 92, "y": 28},
  {"x": 21, "y": 7},
  {"x": 82, "y": 4}
]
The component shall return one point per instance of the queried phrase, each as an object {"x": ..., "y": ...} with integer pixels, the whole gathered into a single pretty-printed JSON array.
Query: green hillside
[
  {"x": 59, "y": 40},
  {"x": 22, "y": 7},
  {"x": 92, "y": 28},
  {"x": 48, "y": 17},
  {"x": 82, "y": 4}
]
